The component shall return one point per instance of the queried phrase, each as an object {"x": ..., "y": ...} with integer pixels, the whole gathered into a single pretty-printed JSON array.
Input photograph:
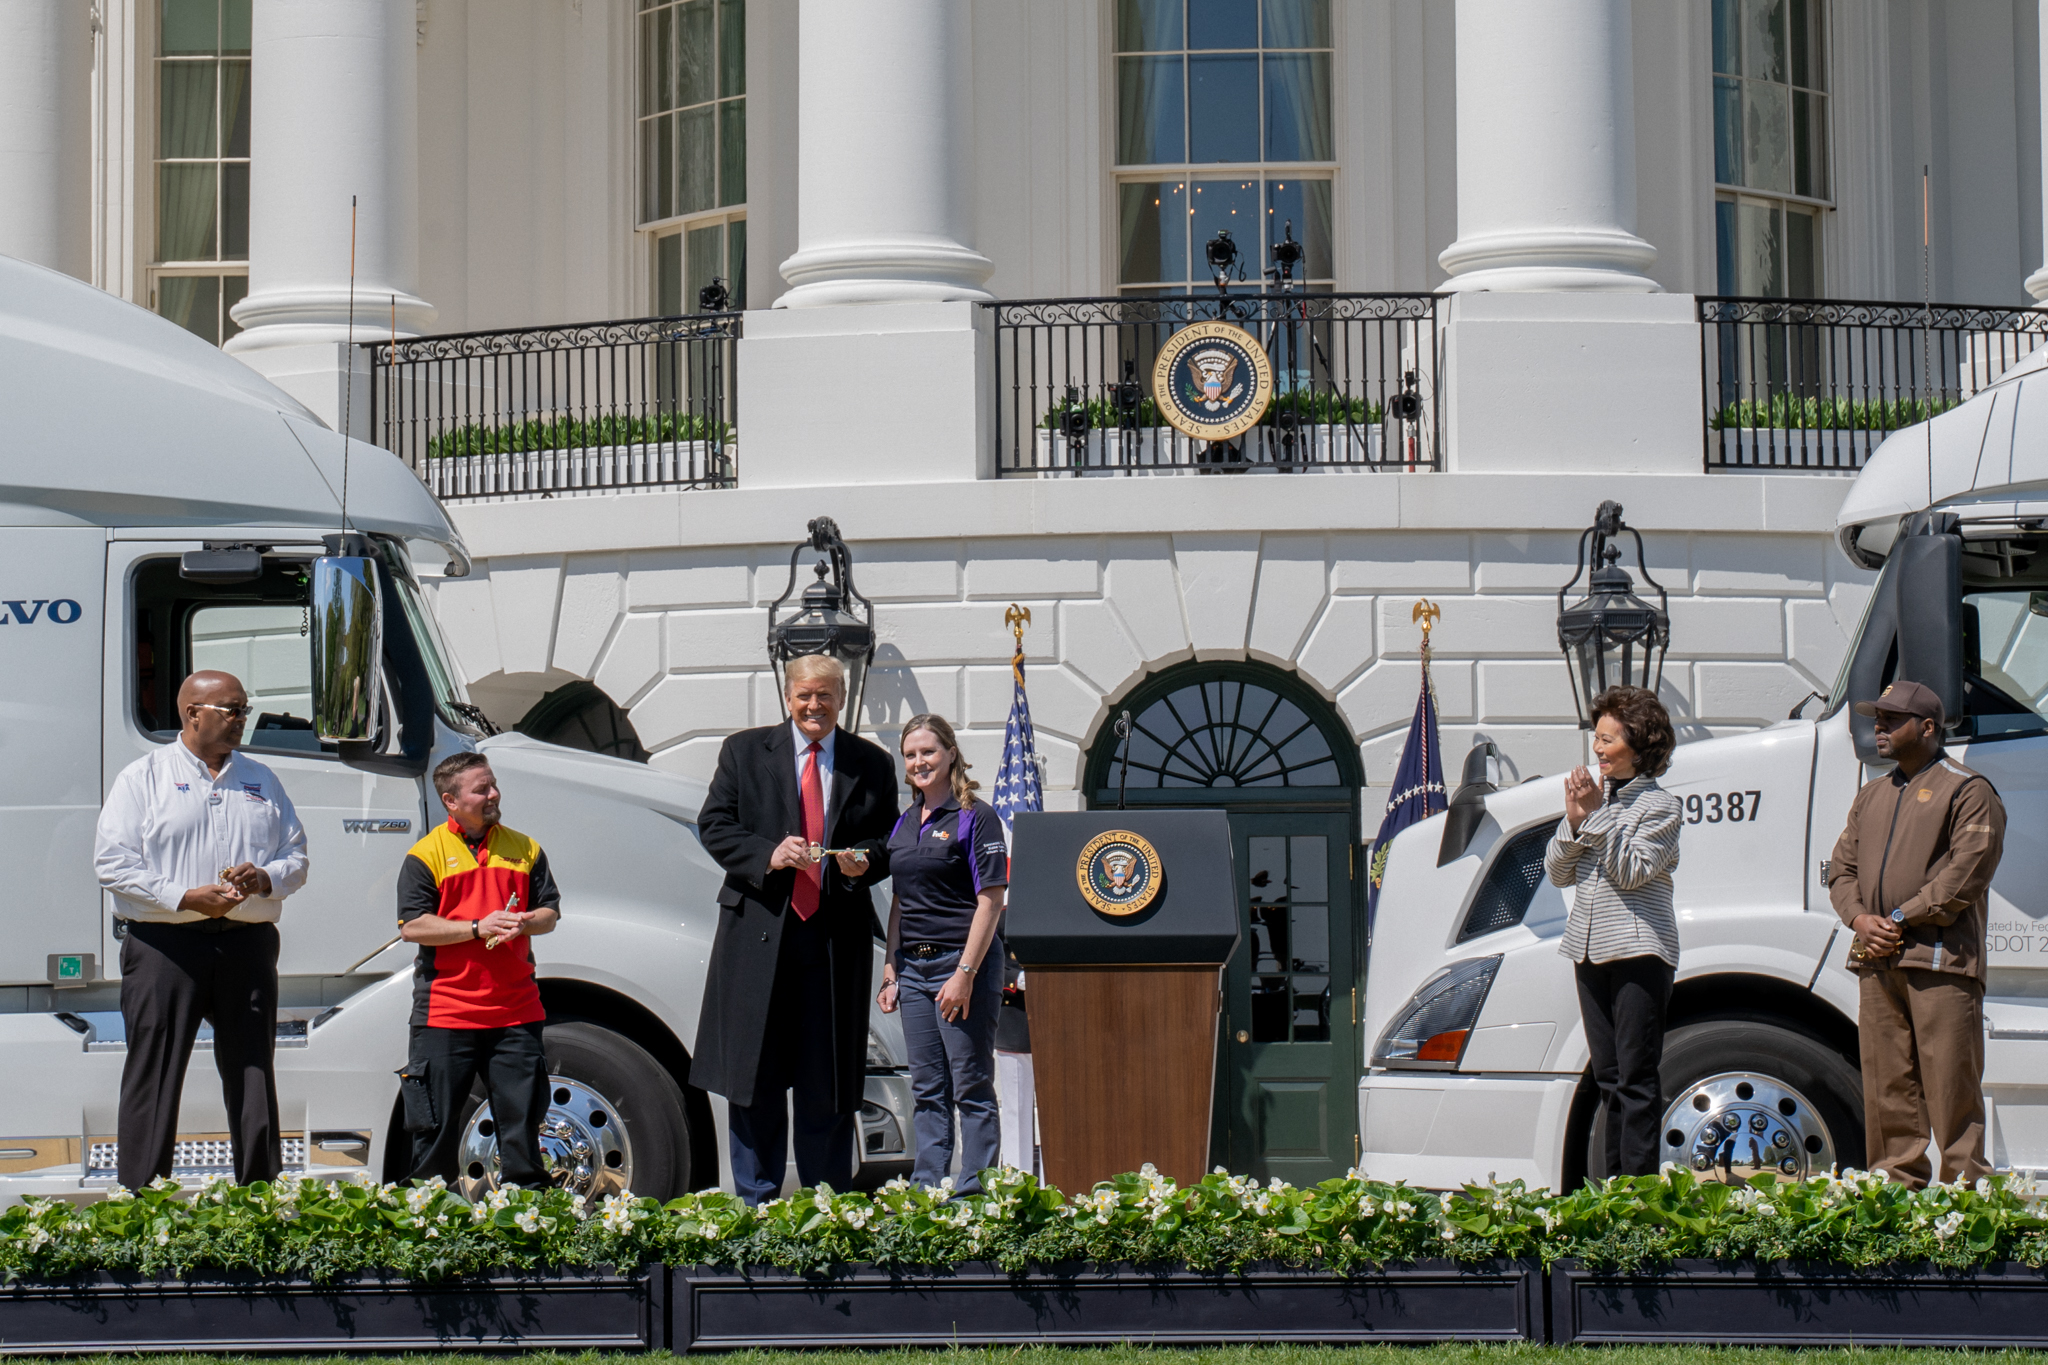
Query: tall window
[
  {"x": 1770, "y": 145},
  {"x": 202, "y": 164},
  {"x": 1223, "y": 122},
  {"x": 693, "y": 147}
]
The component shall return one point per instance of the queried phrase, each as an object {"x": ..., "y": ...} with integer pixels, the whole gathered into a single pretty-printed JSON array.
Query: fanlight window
[{"x": 1229, "y": 733}]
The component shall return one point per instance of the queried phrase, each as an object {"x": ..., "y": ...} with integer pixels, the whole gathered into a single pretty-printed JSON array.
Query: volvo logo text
[{"x": 27, "y": 611}]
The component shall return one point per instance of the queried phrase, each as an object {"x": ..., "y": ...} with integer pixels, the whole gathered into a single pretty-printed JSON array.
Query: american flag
[{"x": 1017, "y": 786}]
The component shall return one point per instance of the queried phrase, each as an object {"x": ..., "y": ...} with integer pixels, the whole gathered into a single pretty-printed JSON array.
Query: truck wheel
[
  {"x": 615, "y": 1120},
  {"x": 1742, "y": 1096}
]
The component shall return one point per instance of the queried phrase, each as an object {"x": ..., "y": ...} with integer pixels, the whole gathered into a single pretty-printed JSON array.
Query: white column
[
  {"x": 2037, "y": 283},
  {"x": 46, "y": 133},
  {"x": 334, "y": 113},
  {"x": 885, "y": 123},
  {"x": 1546, "y": 149}
]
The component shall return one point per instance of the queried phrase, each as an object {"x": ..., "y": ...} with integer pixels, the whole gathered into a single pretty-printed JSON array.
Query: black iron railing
[
  {"x": 1357, "y": 385},
  {"x": 1817, "y": 384},
  {"x": 561, "y": 411}
]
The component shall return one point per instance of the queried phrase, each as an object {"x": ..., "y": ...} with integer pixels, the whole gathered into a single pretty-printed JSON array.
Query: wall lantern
[
  {"x": 821, "y": 623},
  {"x": 1610, "y": 635}
]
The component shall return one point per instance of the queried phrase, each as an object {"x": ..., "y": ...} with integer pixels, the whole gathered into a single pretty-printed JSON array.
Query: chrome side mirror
[{"x": 348, "y": 647}]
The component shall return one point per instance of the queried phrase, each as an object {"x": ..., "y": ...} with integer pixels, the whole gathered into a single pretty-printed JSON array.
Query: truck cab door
[{"x": 358, "y": 824}]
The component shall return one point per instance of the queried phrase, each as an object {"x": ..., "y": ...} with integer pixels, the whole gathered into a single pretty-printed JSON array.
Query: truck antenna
[
  {"x": 348, "y": 382},
  {"x": 1927, "y": 314}
]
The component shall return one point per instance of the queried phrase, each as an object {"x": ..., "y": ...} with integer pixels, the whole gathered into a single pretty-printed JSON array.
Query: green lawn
[{"x": 1139, "y": 1355}]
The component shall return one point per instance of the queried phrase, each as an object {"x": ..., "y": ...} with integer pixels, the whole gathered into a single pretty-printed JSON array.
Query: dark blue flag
[{"x": 1418, "y": 791}]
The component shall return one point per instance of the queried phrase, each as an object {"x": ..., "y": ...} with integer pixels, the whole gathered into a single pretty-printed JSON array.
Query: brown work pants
[{"x": 1923, "y": 1072}]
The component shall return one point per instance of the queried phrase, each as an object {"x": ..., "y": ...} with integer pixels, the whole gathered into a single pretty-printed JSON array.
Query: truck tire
[
  {"x": 1775, "y": 1077},
  {"x": 644, "y": 1097}
]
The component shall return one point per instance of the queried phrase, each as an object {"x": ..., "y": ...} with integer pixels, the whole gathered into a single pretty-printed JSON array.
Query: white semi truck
[
  {"x": 1479, "y": 1062},
  {"x": 162, "y": 509}
]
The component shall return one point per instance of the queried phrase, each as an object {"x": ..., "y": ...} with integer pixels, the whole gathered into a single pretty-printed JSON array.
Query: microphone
[{"x": 1123, "y": 729}]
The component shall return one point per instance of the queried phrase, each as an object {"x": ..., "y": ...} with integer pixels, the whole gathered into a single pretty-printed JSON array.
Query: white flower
[
  {"x": 1402, "y": 1208},
  {"x": 38, "y": 1238},
  {"x": 365, "y": 1179},
  {"x": 708, "y": 1229},
  {"x": 479, "y": 1212},
  {"x": 118, "y": 1193},
  {"x": 1983, "y": 1185},
  {"x": 1946, "y": 1225},
  {"x": 433, "y": 1232},
  {"x": 163, "y": 1239},
  {"x": 1353, "y": 1174},
  {"x": 1368, "y": 1206},
  {"x": 1768, "y": 1210},
  {"x": 1450, "y": 1233},
  {"x": 857, "y": 1216},
  {"x": 526, "y": 1220},
  {"x": 1221, "y": 1170}
]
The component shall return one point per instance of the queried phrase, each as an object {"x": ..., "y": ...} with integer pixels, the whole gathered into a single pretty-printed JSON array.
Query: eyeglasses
[{"x": 231, "y": 712}]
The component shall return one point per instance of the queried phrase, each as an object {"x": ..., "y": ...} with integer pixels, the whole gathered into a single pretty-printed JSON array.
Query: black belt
[
  {"x": 924, "y": 952},
  {"x": 201, "y": 926}
]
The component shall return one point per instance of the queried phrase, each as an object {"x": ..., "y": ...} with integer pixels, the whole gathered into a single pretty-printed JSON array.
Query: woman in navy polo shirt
[{"x": 950, "y": 869}]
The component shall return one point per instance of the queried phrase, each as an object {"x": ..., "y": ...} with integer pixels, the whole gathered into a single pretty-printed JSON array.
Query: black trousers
[
  {"x": 1623, "y": 1004},
  {"x": 172, "y": 977},
  {"x": 798, "y": 1061},
  {"x": 435, "y": 1085}
]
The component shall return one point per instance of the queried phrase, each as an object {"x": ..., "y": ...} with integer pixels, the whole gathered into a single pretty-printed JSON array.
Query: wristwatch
[
  {"x": 963, "y": 967},
  {"x": 476, "y": 928},
  {"x": 1899, "y": 915}
]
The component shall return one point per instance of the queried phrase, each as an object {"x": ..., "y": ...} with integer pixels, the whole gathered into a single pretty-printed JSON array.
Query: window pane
[
  {"x": 668, "y": 275},
  {"x": 732, "y": 47},
  {"x": 736, "y": 262},
  {"x": 696, "y": 78},
  {"x": 190, "y": 26},
  {"x": 1298, "y": 108},
  {"x": 653, "y": 61},
  {"x": 732, "y": 152},
  {"x": 1311, "y": 1009},
  {"x": 696, "y": 156},
  {"x": 266, "y": 651},
  {"x": 1763, "y": 39},
  {"x": 1223, "y": 108},
  {"x": 234, "y": 23},
  {"x": 1305, "y": 204},
  {"x": 1148, "y": 25},
  {"x": 1810, "y": 143},
  {"x": 1223, "y": 23},
  {"x": 233, "y": 289},
  {"x": 234, "y": 211},
  {"x": 703, "y": 259},
  {"x": 1724, "y": 246},
  {"x": 1151, "y": 105},
  {"x": 1809, "y": 66},
  {"x": 193, "y": 302},
  {"x": 1308, "y": 874},
  {"x": 657, "y": 168},
  {"x": 185, "y": 213},
  {"x": 1727, "y": 18},
  {"x": 1297, "y": 23},
  {"x": 1227, "y": 206},
  {"x": 1755, "y": 251},
  {"x": 186, "y": 99},
  {"x": 234, "y": 108},
  {"x": 1802, "y": 254},
  {"x": 1767, "y": 136},
  {"x": 1152, "y": 221},
  {"x": 1727, "y": 130}
]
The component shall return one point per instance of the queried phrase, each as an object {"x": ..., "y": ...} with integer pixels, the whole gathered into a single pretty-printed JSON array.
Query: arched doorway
[
  {"x": 1261, "y": 744},
  {"x": 579, "y": 715}
]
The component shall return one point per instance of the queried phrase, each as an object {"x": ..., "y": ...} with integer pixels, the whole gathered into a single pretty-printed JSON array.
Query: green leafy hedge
[
  {"x": 1786, "y": 413},
  {"x": 576, "y": 433},
  {"x": 1318, "y": 407},
  {"x": 320, "y": 1229}
]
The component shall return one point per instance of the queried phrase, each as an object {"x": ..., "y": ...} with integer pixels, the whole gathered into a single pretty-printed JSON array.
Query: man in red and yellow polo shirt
[{"x": 470, "y": 894}]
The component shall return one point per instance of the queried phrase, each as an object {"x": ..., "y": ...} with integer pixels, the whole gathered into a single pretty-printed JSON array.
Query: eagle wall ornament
[{"x": 1212, "y": 381}]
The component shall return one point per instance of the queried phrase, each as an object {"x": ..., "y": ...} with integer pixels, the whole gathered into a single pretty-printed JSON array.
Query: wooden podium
[{"x": 1122, "y": 921}]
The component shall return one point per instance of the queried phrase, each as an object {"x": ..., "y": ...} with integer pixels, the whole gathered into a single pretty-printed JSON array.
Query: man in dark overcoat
[{"x": 792, "y": 966}]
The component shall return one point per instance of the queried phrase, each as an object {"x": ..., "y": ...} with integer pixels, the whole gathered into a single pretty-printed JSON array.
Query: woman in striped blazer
[{"x": 1618, "y": 844}]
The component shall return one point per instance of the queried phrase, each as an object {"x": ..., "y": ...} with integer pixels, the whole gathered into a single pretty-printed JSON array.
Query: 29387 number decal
[{"x": 1714, "y": 808}]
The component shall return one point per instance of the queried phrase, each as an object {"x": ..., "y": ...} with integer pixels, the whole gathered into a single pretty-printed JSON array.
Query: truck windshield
[
  {"x": 449, "y": 697},
  {"x": 2005, "y": 661}
]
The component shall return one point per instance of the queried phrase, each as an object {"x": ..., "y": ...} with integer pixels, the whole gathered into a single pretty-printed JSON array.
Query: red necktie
[{"x": 804, "y": 896}]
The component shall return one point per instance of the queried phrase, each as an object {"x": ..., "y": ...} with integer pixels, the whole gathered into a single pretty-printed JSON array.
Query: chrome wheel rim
[
  {"x": 1737, "y": 1124},
  {"x": 583, "y": 1145}
]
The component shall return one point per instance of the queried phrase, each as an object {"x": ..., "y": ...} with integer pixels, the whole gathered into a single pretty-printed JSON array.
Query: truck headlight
[{"x": 1430, "y": 1032}]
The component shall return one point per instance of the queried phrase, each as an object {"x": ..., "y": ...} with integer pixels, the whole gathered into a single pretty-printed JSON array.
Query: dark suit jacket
[{"x": 753, "y": 805}]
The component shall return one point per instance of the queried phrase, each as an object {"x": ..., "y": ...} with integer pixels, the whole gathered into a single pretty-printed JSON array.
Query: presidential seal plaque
[
  {"x": 1119, "y": 872},
  {"x": 1212, "y": 381}
]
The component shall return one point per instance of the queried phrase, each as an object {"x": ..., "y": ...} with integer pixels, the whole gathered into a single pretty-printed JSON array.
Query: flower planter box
[
  {"x": 1781, "y": 1304},
  {"x": 1797, "y": 448},
  {"x": 569, "y": 1309},
  {"x": 567, "y": 473},
  {"x": 979, "y": 1304},
  {"x": 1110, "y": 451}
]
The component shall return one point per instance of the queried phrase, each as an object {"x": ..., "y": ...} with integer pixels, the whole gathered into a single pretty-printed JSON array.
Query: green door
[{"x": 1289, "y": 1063}]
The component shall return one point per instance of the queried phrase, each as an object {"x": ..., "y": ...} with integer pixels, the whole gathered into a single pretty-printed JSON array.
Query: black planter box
[
  {"x": 1783, "y": 1304},
  {"x": 981, "y": 1304},
  {"x": 570, "y": 1308}
]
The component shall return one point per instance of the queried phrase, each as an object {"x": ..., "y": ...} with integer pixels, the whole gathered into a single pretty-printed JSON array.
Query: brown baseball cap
[{"x": 1905, "y": 699}]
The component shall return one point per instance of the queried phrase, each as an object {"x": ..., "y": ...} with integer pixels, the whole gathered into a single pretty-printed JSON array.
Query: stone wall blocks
[
  {"x": 716, "y": 641},
  {"x": 893, "y": 694},
  {"x": 687, "y": 705},
  {"x": 696, "y": 757},
  {"x": 525, "y": 590},
  {"x": 1383, "y": 700},
  {"x": 1478, "y": 627},
  {"x": 1140, "y": 582},
  {"x": 888, "y": 571},
  {"x": 593, "y": 595},
  {"x": 1529, "y": 690},
  {"x": 1038, "y": 567},
  {"x": 1727, "y": 628},
  {"x": 1293, "y": 583},
  {"x": 463, "y": 607},
  {"x": 1218, "y": 572},
  {"x": 1341, "y": 645},
  {"x": 1523, "y": 561},
  {"x": 1787, "y": 566},
  {"x": 716, "y": 576},
  {"x": 1747, "y": 693},
  {"x": 1093, "y": 640},
  {"x": 963, "y": 633},
  {"x": 1064, "y": 761},
  {"x": 1062, "y": 702},
  {"x": 632, "y": 661},
  {"x": 1400, "y": 561}
]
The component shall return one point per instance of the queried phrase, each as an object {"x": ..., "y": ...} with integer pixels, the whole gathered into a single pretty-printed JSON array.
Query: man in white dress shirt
[{"x": 200, "y": 846}]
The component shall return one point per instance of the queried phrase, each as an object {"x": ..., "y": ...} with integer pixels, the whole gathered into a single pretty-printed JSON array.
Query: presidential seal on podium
[
  {"x": 1212, "y": 381},
  {"x": 1119, "y": 872}
]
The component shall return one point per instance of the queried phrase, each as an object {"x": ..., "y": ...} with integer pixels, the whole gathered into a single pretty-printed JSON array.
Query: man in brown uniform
[{"x": 1912, "y": 875}]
